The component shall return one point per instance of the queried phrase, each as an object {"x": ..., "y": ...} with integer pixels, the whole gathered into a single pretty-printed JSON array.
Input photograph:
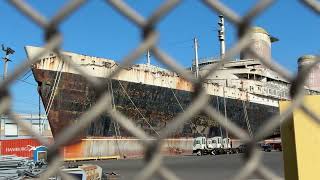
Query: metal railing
[{"x": 153, "y": 157}]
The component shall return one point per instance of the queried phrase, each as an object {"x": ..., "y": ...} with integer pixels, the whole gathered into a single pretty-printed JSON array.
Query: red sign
[{"x": 19, "y": 147}]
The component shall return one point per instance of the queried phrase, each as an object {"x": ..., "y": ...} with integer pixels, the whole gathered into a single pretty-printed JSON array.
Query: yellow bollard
[{"x": 300, "y": 138}]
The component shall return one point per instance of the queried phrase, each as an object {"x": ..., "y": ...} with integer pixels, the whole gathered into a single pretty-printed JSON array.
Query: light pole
[
  {"x": 6, "y": 59},
  {"x": 7, "y": 51}
]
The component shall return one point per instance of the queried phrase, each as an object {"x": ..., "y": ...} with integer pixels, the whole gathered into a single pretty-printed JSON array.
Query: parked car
[
  {"x": 243, "y": 148},
  {"x": 276, "y": 146},
  {"x": 266, "y": 147}
]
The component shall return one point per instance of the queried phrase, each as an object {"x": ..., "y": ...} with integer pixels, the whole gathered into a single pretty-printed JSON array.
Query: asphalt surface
[{"x": 195, "y": 167}]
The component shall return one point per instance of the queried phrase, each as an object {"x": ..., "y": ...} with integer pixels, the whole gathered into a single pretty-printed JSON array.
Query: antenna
[
  {"x": 195, "y": 41},
  {"x": 221, "y": 36},
  {"x": 6, "y": 59},
  {"x": 148, "y": 57}
]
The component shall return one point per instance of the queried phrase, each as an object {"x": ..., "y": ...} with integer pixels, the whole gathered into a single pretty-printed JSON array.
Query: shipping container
[
  {"x": 73, "y": 151},
  {"x": 40, "y": 153},
  {"x": 19, "y": 147}
]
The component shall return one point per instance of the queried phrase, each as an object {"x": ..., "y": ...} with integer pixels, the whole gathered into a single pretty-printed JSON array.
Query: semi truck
[{"x": 213, "y": 146}]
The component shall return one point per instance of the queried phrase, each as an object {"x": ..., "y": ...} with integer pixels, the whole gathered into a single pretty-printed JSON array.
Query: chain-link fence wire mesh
[{"x": 153, "y": 157}]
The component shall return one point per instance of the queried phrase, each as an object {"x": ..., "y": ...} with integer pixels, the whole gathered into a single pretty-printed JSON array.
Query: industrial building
[{"x": 10, "y": 130}]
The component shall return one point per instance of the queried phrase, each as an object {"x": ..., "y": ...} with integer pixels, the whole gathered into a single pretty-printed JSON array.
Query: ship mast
[
  {"x": 148, "y": 57},
  {"x": 221, "y": 36},
  {"x": 195, "y": 42}
]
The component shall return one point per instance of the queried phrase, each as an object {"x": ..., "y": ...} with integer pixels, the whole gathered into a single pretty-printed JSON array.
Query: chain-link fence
[{"x": 153, "y": 157}]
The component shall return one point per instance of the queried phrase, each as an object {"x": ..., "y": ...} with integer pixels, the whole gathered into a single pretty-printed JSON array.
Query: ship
[{"x": 245, "y": 91}]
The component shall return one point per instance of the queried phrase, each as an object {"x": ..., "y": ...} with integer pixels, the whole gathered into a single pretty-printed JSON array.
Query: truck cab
[
  {"x": 216, "y": 142},
  {"x": 226, "y": 143},
  {"x": 202, "y": 145},
  {"x": 199, "y": 143}
]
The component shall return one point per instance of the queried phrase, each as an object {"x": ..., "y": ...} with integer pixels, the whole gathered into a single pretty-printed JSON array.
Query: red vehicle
[{"x": 276, "y": 146}]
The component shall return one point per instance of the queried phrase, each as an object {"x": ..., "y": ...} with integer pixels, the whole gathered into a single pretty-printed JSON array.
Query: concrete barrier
[{"x": 126, "y": 147}]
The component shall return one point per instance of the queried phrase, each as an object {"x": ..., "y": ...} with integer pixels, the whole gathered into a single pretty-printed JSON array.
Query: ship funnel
[
  {"x": 313, "y": 79},
  {"x": 260, "y": 41}
]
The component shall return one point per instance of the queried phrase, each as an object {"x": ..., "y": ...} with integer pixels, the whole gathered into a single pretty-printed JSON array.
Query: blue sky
[{"x": 98, "y": 30}]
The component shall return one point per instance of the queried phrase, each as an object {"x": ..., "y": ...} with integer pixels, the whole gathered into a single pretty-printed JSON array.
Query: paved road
[{"x": 195, "y": 167}]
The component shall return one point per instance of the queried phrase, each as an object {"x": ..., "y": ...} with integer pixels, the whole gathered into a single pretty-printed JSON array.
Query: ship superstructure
[{"x": 261, "y": 84}]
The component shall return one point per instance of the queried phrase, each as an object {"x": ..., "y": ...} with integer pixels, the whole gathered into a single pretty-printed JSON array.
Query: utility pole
[
  {"x": 40, "y": 125},
  {"x": 221, "y": 36},
  {"x": 195, "y": 41},
  {"x": 6, "y": 59},
  {"x": 7, "y": 51},
  {"x": 148, "y": 57}
]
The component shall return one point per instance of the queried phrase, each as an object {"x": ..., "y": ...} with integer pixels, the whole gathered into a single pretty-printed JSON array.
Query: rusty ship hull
[{"x": 150, "y": 107}]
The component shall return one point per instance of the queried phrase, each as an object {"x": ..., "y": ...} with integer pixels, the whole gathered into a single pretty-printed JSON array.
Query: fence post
[{"x": 301, "y": 142}]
